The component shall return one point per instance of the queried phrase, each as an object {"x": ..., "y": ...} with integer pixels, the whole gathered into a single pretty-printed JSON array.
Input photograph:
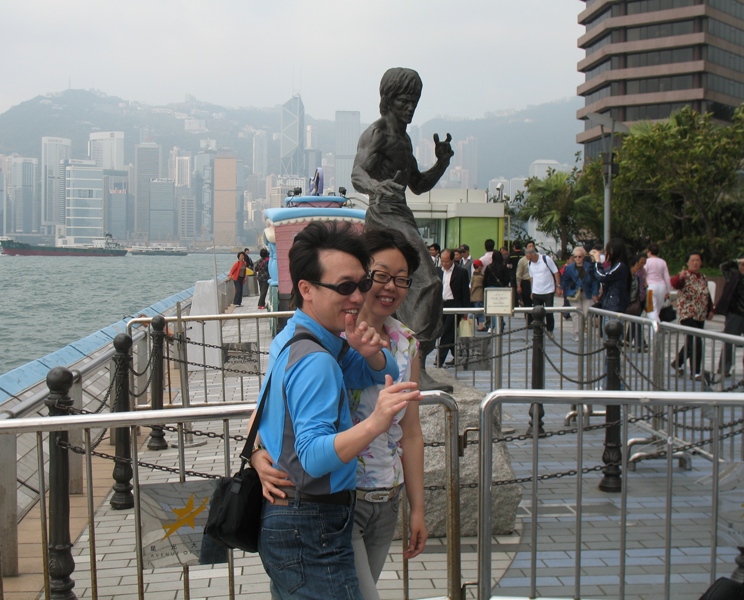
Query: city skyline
[{"x": 351, "y": 46}]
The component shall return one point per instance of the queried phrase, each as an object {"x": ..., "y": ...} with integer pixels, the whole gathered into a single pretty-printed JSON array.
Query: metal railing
[
  {"x": 663, "y": 402},
  {"x": 221, "y": 423}
]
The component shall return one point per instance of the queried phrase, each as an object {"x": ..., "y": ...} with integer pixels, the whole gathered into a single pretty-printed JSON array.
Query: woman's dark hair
[
  {"x": 263, "y": 253},
  {"x": 244, "y": 255},
  {"x": 617, "y": 252},
  {"x": 304, "y": 261},
  {"x": 635, "y": 259},
  {"x": 498, "y": 258},
  {"x": 653, "y": 248},
  {"x": 693, "y": 253},
  {"x": 385, "y": 239}
]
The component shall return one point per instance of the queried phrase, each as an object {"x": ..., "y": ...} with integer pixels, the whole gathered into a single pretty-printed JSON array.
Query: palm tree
[{"x": 558, "y": 205}]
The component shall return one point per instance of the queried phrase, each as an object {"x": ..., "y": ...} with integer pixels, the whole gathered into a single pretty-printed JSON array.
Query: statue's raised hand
[{"x": 443, "y": 150}]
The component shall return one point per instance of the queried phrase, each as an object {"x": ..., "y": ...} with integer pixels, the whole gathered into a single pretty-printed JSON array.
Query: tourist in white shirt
[
  {"x": 546, "y": 283},
  {"x": 658, "y": 281}
]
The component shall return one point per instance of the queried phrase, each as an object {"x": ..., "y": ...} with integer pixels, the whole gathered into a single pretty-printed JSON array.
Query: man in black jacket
[
  {"x": 455, "y": 294},
  {"x": 731, "y": 304}
]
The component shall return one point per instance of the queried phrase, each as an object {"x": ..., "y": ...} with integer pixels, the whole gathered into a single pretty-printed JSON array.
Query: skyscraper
[
  {"x": 648, "y": 58},
  {"x": 467, "y": 156},
  {"x": 84, "y": 201},
  {"x": 260, "y": 153},
  {"x": 348, "y": 131},
  {"x": 146, "y": 167},
  {"x": 106, "y": 148},
  {"x": 24, "y": 207},
  {"x": 53, "y": 151},
  {"x": 225, "y": 199},
  {"x": 163, "y": 210},
  {"x": 293, "y": 137}
]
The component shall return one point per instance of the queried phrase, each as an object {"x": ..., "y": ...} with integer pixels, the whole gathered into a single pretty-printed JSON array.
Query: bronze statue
[{"x": 384, "y": 166}]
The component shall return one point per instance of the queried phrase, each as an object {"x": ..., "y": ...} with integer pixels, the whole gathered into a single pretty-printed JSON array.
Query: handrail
[
  {"x": 605, "y": 397},
  {"x": 33, "y": 403}
]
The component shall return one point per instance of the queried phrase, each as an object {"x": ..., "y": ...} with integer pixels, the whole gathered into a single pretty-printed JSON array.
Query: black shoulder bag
[{"x": 235, "y": 509}]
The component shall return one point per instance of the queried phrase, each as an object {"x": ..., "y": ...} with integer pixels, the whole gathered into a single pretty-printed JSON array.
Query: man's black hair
[
  {"x": 304, "y": 261},
  {"x": 385, "y": 239},
  {"x": 489, "y": 244}
]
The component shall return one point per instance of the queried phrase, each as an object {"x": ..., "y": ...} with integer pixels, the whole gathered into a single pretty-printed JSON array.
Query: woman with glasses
[
  {"x": 580, "y": 286},
  {"x": 397, "y": 455}
]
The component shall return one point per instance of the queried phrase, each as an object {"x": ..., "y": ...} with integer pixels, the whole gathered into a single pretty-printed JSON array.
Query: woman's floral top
[
  {"x": 379, "y": 464},
  {"x": 693, "y": 300}
]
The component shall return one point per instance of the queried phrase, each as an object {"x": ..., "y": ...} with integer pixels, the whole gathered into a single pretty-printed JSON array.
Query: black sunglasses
[
  {"x": 346, "y": 288},
  {"x": 385, "y": 277}
]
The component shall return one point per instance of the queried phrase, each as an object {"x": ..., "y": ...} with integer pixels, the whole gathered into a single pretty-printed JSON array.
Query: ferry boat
[
  {"x": 159, "y": 251},
  {"x": 104, "y": 246}
]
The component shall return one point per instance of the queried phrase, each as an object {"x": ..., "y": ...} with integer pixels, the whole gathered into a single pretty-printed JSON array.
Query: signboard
[
  {"x": 498, "y": 302},
  {"x": 172, "y": 523}
]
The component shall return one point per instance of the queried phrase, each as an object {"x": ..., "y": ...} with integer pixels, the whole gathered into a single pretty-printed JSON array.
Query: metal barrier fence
[
  {"x": 620, "y": 539},
  {"x": 218, "y": 423}
]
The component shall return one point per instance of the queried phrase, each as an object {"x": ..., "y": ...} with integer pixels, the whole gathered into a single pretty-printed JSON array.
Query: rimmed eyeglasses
[{"x": 385, "y": 277}]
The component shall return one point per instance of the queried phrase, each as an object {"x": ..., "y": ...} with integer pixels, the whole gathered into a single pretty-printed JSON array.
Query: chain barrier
[
  {"x": 571, "y": 352},
  {"x": 147, "y": 385},
  {"x": 218, "y": 347},
  {"x": 641, "y": 374},
  {"x": 566, "y": 377},
  {"x": 213, "y": 367}
]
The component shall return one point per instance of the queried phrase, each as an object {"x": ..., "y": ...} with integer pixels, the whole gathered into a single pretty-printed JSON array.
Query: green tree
[
  {"x": 677, "y": 183},
  {"x": 560, "y": 206}
]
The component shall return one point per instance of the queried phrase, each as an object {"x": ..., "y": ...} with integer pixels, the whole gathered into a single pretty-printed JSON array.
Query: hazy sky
[{"x": 474, "y": 56}]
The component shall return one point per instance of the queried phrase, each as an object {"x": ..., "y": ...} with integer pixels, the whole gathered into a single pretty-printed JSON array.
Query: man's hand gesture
[{"x": 363, "y": 338}]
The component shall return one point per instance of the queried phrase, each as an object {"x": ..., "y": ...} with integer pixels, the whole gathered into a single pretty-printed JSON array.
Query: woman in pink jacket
[{"x": 657, "y": 279}]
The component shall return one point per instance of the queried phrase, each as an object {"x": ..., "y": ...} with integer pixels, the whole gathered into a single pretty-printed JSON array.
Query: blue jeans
[
  {"x": 479, "y": 318},
  {"x": 306, "y": 550}
]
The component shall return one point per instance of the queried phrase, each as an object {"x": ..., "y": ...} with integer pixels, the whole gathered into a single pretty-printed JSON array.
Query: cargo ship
[{"x": 104, "y": 246}]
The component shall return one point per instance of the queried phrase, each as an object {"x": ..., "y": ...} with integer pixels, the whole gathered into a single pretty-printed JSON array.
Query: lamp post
[{"x": 605, "y": 120}]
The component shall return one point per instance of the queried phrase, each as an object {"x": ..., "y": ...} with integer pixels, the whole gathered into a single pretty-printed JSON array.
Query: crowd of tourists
[{"x": 610, "y": 278}]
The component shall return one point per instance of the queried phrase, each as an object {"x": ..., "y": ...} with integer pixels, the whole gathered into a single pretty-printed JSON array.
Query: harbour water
[{"x": 51, "y": 301}]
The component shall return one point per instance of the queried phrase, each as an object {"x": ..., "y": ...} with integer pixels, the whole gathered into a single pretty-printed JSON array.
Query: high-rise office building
[
  {"x": 347, "y": 132},
  {"x": 467, "y": 156},
  {"x": 147, "y": 161},
  {"x": 84, "y": 201},
  {"x": 163, "y": 210},
  {"x": 106, "y": 148},
  {"x": 179, "y": 166},
  {"x": 23, "y": 204},
  {"x": 53, "y": 151},
  {"x": 648, "y": 58},
  {"x": 292, "y": 146},
  {"x": 260, "y": 153},
  {"x": 226, "y": 206},
  {"x": 118, "y": 207}
]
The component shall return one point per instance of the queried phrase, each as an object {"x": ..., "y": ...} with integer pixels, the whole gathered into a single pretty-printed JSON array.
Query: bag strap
[{"x": 247, "y": 451}]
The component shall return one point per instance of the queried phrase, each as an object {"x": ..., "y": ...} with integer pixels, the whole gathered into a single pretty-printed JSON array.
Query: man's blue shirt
[{"x": 307, "y": 405}]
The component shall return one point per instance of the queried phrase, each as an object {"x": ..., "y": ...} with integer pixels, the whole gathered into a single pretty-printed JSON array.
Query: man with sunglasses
[{"x": 306, "y": 427}]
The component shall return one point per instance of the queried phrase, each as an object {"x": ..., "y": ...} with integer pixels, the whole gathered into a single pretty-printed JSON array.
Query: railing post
[
  {"x": 738, "y": 574},
  {"x": 157, "y": 437},
  {"x": 538, "y": 367},
  {"x": 8, "y": 509},
  {"x": 122, "y": 497},
  {"x": 61, "y": 563},
  {"x": 612, "y": 455}
]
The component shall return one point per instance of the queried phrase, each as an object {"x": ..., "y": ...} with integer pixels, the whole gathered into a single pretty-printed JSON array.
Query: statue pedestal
[{"x": 505, "y": 499}]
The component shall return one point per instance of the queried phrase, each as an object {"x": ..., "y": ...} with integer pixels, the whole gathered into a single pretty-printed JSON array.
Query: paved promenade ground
[{"x": 427, "y": 574}]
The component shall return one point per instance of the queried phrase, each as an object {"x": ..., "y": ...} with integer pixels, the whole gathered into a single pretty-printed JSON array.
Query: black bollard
[
  {"x": 157, "y": 437},
  {"x": 538, "y": 367},
  {"x": 612, "y": 455},
  {"x": 122, "y": 497},
  {"x": 61, "y": 564}
]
